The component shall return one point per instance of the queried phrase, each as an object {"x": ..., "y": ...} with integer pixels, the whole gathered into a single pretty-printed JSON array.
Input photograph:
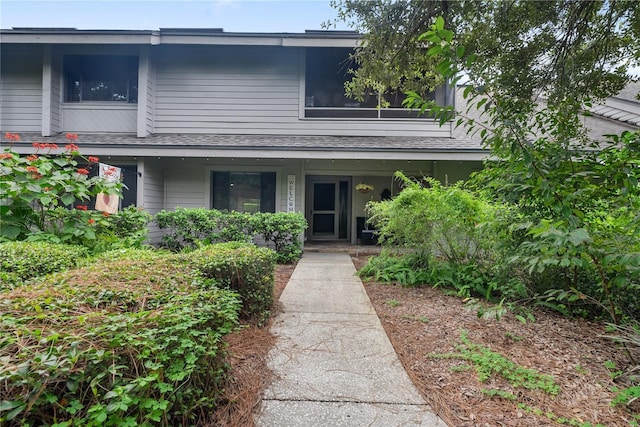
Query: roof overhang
[{"x": 179, "y": 36}]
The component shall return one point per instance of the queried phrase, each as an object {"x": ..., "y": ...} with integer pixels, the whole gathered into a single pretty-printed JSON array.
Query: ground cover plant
[
  {"x": 21, "y": 261},
  {"x": 136, "y": 337}
]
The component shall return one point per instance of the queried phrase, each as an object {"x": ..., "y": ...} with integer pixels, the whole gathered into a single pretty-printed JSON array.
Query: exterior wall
[
  {"x": 250, "y": 90},
  {"x": 98, "y": 117},
  {"x": 449, "y": 172},
  {"x": 151, "y": 192},
  {"x": 146, "y": 94},
  {"x": 21, "y": 88},
  {"x": 51, "y": 92}
]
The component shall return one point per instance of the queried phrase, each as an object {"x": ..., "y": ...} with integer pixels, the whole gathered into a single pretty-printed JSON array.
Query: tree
[
  {"x": 566, "y": 49},
  {"x": 533, "y": 68}
]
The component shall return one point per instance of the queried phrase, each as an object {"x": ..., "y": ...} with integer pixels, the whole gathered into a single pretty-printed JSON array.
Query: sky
[{"x": 231, "y": 15}]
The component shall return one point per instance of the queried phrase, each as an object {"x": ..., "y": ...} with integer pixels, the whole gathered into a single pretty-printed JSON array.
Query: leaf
[
  {"x": 434, "y": 50},
  {"x": 439, "y": 23},
  {"x": 460, "y": 51}
]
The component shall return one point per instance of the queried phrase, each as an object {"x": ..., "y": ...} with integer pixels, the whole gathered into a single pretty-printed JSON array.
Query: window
[
  {"x": 326, "y": 74},
  {"x": 244, "y": 191},
  {"x": 110, "y": 78}
]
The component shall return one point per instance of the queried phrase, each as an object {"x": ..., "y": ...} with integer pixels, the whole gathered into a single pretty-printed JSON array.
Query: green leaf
[
  {"x": 460, "y": 51},
  {"x": 434, "y": 50},
  {"x": 439, "y": 23}
]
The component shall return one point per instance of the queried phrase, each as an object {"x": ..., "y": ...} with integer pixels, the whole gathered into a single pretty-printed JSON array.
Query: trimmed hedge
[
  {"x": 136, "y": 339},
  {"x": 244, "y": 268},
  {"x": 20, "y": 261},
  {"x": 188, "y": 228}
]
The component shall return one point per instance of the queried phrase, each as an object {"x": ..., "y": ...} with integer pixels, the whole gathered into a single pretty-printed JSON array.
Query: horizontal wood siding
[
  {"x": 21, "y": 88},
  {"x": 99, "y": 119},
  {"x": 225, "y": 89},
  {"x": 249, "y": 90},
  {"x": 150, "y": 101},
  {"x": 152, "y": 194},
  {"x": 56, "y": 94},
  {"x": 185, "y": 182}
]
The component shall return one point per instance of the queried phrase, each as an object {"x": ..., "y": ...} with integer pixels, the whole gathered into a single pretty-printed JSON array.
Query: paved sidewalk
[{"x": 334, "y": 363}]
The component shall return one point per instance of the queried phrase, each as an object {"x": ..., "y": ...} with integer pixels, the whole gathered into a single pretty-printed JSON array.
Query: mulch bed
[{"x": 421, "y": 322}]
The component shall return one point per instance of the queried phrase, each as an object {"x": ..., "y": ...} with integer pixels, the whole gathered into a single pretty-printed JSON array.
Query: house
[{"x": 239, "y": 121}]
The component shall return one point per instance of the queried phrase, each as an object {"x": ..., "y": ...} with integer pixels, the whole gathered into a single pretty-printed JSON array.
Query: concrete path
[{"x": 334, "y": 363}]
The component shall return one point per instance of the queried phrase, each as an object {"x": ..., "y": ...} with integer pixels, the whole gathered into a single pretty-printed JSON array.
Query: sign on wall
[
  {"x": 291, "y": 193},
  {"x": 108, "y": 202}
]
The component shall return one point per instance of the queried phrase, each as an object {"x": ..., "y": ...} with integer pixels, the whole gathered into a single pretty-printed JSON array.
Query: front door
[{"x": 328, "y": 208}]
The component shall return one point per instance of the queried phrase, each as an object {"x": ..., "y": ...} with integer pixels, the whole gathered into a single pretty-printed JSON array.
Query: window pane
[
  {"x": 101, "y": 78},
  {"x": 324, "y": 196},
  {"x": 244, "y": 191}
]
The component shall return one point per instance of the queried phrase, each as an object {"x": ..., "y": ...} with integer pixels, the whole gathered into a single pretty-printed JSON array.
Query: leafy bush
[
  {"x": 34, "y": 186},
  {"x": 282, "y": 231},
  {"x": 20, "y": 261},
  {"x": 136, "y": 339},
  {"x": 442, "y": 222},
  {"x": 186, "y": 228},
  {"x": 189, "y": 228},
  {"x": 244, "y": 268}
]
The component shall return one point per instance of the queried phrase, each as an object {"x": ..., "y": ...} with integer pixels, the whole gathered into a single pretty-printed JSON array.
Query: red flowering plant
[{"x": 35, "y": 191}]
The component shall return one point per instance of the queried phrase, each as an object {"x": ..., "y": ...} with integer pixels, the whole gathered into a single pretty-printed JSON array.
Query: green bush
[
  {"x": 20, "y": 261},
  {"x": 244, "y": 268},
  {"x": 189, "y": 228},
  {"x": 134, "y": 338},
  {"x": 282, "y": 232},
  {"x": 442, "y": 222}
]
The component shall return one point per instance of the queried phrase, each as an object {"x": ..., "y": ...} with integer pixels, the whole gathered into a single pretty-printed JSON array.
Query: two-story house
[{"x": 238, "y": 121}]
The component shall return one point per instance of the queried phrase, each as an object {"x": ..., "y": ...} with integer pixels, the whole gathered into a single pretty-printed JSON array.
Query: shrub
[
  {"x": 32, "y": 187},
  {"x": 244, "y": 268},
  {"x": 188, "y": 228},
  {"x": 20, "y": 261},
  {"x": 132, "y": 340},
  {"x": 282, "y": 230}
]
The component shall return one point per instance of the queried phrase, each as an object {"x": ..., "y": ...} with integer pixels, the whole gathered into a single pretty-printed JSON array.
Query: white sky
[{"x": 231, "y": 15}]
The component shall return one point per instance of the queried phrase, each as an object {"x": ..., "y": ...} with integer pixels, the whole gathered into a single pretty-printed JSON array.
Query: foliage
[
  {"x": 188, "y": 228},
  {"x": 244, "y": 268},
  {"x": 20, "y": 261},
  {"x": 488, "y": 363},
  {"x": 281, "y": 231},
  {"x": 126, "y": 228},
  {"x": 32, "y": 188},
  {"x": 578, "y": 197},
  {"x": 131, "y": 339},
  {"x": 442, "y": 222},
  {"x": 563, "y": 48},
  {"x": 408, "y": 269}
]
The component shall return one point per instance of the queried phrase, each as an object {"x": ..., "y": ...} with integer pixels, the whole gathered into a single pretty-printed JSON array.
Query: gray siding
[
  {"x": 99, "y": 118},
  {"x": 151, "y": 192},
  {"x": 21, "y": 88},
  {"x": 146, "y": 94},
  {"x": 249, "y": 90},
  {"x": 51, "y": 93},
  {"x": 185, "y": 184}
]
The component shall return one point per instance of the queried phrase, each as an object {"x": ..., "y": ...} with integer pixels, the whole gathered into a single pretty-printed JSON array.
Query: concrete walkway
[{"x": 334, "y": 363}]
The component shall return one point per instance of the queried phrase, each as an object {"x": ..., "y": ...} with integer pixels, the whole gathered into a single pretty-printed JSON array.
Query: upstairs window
[
  {"x": 327, "y": 70},
  {"x": 100, "y": 78}
]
